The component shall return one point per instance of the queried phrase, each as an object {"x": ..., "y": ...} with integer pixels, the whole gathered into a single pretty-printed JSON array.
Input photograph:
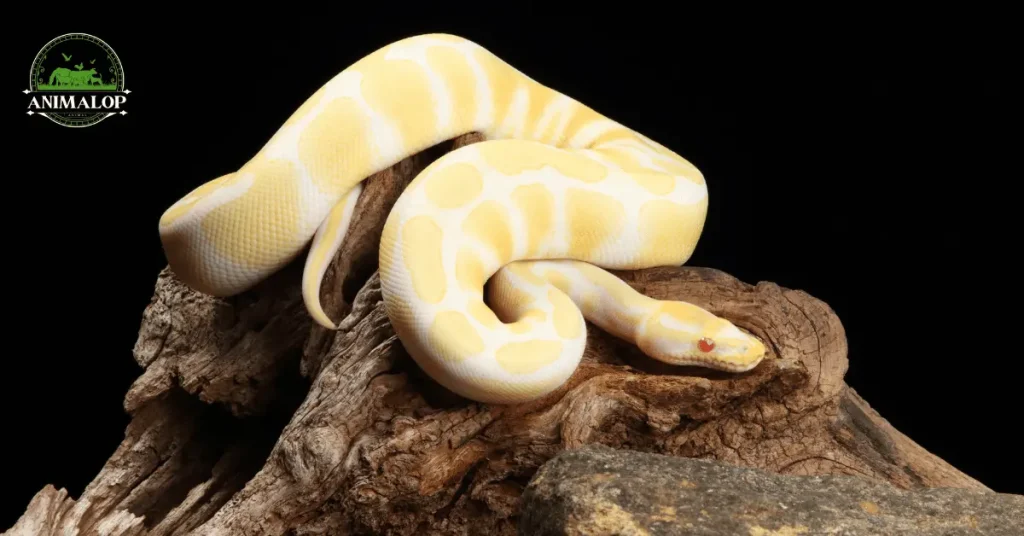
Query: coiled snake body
[{"x": 555, "y": 194}]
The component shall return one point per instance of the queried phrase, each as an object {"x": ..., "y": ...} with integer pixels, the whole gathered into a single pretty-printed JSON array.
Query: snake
[{"x": 496, "y": 254}]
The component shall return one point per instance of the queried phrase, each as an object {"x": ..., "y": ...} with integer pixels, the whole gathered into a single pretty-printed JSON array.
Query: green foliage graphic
[
  {"x": 75, "y": 68},
  {"x": 64, "y": 78}
]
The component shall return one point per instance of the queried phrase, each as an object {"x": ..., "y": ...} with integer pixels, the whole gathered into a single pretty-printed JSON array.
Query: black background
[{"x": 857, "y": 164}]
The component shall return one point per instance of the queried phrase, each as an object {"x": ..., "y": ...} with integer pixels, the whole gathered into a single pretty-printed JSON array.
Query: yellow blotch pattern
[
  {"x": 489, "y": 223},
  {"x": 670, "y": 230},
  {"x": 623, "y": 158},
  {"x": 654, "y": 182},
  {"x": 520, "y": 327},
  {"x": 400, "y": 90},
  {"x": 658, "y": 183},
  {"x": 534, "y": 314},
  {"x": 559, "y": 280},
  {"x": 683, "y": 169},
  {"x": 619, "y": 290},
  {"x": 318, "y": 256},
  {"x": 630, "y": 298},
  {"x": 503, "y": 85},
  {"x": 590, "y": 302},
  {"x": 454, "y": 185},
  {"x": 551, "y": 135},
  {"x": 469, "y": 271},
  {"x": 623, "y": 322},
  {"x": 513, "y": 158},
  {"x": 537, "y": 206},
  {"x": 331, "y": 154},
  {"x": 538, "y": 98},
  {"x": 270, "y": 234},
  {"x": 175, "y": 212},
  {"x": 567, "y": 323},
  {"x": 482, "y": 313},
  {"x": 525, "y": 322},
  {"x": 307, "y": 106},
  {"x": 528, "y": 356},
  {"x": 593, "y": 218},
  {"x": 615, "y": 134},
  {"x": 453, "y": 336},
  {"x": 628, "y": 306},
  {"x": 453, "y": 67},
  {"x": 421, "y": 251},
  {"x": 508, "y": 300},
  {"x": 676, "y": 164},
  {"x": 655, "y": 331},
  {"x": 694, "y": 316},
  {"x": 582, "y": 116},
  {"x": 523, "y": 272},
  {"x": 683, "y": 313}
]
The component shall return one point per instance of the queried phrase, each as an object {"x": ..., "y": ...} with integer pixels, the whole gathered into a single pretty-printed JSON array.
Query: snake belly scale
[{"x": 554, "y": 196}]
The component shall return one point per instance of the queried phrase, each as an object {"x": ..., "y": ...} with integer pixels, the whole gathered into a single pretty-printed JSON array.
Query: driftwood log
[{"x": 251, "y": 419}]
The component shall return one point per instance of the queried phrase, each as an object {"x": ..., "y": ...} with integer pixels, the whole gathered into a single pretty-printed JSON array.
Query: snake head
[{"x": 680, "y": 333}]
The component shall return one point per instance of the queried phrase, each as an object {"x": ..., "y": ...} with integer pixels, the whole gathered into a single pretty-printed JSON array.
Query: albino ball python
[{"x": 554, "y": 192}]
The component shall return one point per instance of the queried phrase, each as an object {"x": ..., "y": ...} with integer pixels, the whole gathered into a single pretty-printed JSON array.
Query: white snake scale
[{"x": 555, "y": 193}]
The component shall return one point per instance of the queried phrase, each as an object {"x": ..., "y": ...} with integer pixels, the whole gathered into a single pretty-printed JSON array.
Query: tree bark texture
[{"x": 251, "y": 419}]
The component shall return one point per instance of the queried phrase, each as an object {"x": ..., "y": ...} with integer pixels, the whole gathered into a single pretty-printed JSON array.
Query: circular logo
[{"x": 77, "y": 80}]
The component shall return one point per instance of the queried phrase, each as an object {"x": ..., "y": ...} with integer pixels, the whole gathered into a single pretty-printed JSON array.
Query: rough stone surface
[{"x": 601, "y": 490}]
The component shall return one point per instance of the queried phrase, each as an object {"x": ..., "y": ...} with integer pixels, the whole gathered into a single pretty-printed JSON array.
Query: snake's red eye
[{"x": 706, "y": 344}]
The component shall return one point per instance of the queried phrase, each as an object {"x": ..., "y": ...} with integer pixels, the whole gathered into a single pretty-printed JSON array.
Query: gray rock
[{"x": 602, "y": 491}]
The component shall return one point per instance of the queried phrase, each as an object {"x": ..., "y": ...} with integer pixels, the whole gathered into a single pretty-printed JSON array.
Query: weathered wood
[{"x": 251, "y": 419}]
